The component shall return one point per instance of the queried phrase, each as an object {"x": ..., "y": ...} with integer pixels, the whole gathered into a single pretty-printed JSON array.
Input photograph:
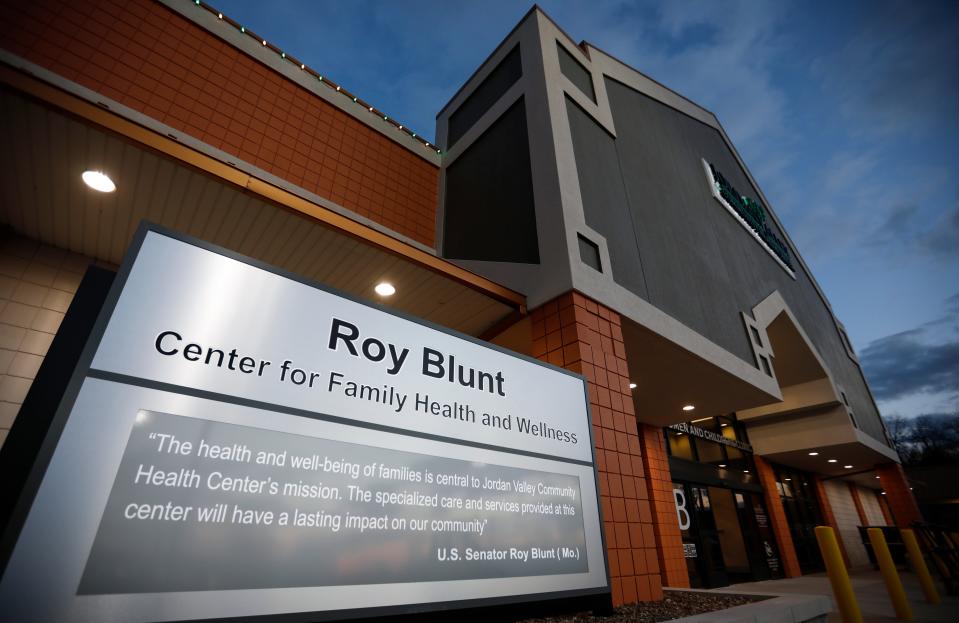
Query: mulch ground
[{"x": 675, "y": 605}]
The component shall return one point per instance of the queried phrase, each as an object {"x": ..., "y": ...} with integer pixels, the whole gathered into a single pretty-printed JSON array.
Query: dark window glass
[
  {"x": 768, "y": 370},
  {"x": 709, "y": 451},
  {"x": 679, "y": 445},
  {"x": 575, "y": 71},
  {"x": 486, "y": 94},
  {"x": 796, "y": 489},
  {"x": 589, "y": 252}
]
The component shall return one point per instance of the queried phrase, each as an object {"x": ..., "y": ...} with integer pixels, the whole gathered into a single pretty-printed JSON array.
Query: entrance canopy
[{"x": 812, "y": 428}]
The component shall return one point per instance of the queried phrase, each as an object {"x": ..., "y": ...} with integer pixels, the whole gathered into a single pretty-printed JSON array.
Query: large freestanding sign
[{"x": 239, "y": 443}]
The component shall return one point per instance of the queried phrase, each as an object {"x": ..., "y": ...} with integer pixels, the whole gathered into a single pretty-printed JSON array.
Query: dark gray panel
[
  {"x": 605, "y": 204},
  {"x": 701, "y": 265},
  {"x": 575, "y": 71},
  {"x": 486, "y": 94},
  {"x": 489, "y": 212},
  {"x": 589, "y": 252}
]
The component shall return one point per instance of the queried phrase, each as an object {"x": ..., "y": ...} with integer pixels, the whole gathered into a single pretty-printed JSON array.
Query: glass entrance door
[
  {"x": 730, "y": 534},
  {"x": 802, "y": 513},
  {"x": 701, "y": 539},
  {"x": 758, "y": 535}
]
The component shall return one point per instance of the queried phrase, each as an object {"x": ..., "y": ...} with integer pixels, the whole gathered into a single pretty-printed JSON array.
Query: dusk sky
[{"x": 846, "y": 113}]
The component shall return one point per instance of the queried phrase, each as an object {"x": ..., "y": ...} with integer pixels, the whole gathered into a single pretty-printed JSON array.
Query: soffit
[
  {"x": 861, "y": 457},
  {"x": 44, "y": 151},
  {"x": 794, "y": 361},
  {"x": 669, "y": 377}
]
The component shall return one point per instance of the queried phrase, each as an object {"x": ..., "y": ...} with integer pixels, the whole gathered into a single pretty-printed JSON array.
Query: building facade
[{"x": 572, "y": 209}]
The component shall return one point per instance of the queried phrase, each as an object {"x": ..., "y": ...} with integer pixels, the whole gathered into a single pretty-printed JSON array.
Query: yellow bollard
[
  {"x": 888, "y": 569},
  {"x": 838, "y": 578},
  {"x": 919, "y": 564}
]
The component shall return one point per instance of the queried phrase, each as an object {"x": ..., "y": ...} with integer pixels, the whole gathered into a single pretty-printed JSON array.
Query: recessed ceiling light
[
  {"x": 847, "y": 466},
  {"x": 787, "y": 479},
  {"x": 745, "y": 471},
  {"x": 97, "y": 180},
  {"x": 384, "y": 288},
  {"x": 688, "y": 408},
  {"x": 884, "y": 493},
  {"x": 722, "y": 465},
  {"x": 831, "y": 461},
  {"x": 877, "y": 477},
  {"x": 632, "y": 385},
  {"x": 724, "y": 424},
  {"x": 813, "y": 454}
]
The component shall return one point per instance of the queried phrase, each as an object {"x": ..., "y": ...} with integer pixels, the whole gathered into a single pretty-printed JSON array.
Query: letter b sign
[{"x": 681, "y": 513}]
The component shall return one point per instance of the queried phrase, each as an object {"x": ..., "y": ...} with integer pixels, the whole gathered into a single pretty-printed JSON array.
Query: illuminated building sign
[{"x": 750, "y": 213}]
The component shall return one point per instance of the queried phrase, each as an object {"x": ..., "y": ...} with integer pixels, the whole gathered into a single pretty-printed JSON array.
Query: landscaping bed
[{"x": 675, "y": 605}]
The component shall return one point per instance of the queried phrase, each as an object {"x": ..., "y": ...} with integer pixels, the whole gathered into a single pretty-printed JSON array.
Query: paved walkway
[{"x": 870, "y": 592}]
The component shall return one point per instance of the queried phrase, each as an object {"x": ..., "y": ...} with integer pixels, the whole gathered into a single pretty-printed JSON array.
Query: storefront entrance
[
  {"x": 726, "y": 533},
  {"x": 795, "y": 489}
]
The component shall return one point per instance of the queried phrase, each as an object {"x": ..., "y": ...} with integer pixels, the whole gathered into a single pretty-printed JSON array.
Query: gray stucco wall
[{"x": 672, "y": 244}]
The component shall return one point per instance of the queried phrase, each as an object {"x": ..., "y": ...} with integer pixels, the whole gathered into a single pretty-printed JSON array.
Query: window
[
  {"x": 589, "y": 252},
  {"x": 679, "y": 445},
  {"x": 765, "y": 363},
  {"x": 756, "y": 337}
]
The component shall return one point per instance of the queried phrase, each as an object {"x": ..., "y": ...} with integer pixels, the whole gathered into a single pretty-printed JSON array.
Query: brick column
[
  {"x": 777, "y": 518},
  {"x": 672, "y": 563},
  {"x": 901, "y": 501},
  {"x": 828, "y": 515},
  {"x": 577, "y": 333}
]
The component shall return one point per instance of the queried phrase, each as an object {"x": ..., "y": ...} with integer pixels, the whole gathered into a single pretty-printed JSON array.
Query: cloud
[
  {"x": 902, "y": 364},
  {"x": 924, "y": 360},
  {"x": 942, "y": 239},
  {"x": 906, "y": 231},
  {"x": 897, "y": 74}
]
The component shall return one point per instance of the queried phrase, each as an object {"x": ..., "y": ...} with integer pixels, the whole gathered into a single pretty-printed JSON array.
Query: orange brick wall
[
  {"x": 672, "y": 563},
  {"x": 777, "y": 517},
  {"x": 151, "y": 59},
  {"x": 580, "y": 335},
  {"x": 901, "y": 501},
  {"x": 828, "y": 516}
]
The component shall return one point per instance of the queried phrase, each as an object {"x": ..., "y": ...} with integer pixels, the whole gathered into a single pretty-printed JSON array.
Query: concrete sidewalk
[{"x": 870, "y": 592}]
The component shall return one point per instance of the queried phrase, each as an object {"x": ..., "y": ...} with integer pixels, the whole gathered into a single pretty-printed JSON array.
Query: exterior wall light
[
  {"x": 385, "y": 288},
  {"x": 99, "y": 181}
]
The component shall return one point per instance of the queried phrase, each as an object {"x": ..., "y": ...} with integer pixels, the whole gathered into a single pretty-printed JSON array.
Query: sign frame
[{"x": 83, "y": 370}]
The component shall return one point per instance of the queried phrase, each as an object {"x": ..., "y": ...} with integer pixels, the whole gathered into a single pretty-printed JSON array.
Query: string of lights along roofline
[{"x": 320, "y": 78}]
